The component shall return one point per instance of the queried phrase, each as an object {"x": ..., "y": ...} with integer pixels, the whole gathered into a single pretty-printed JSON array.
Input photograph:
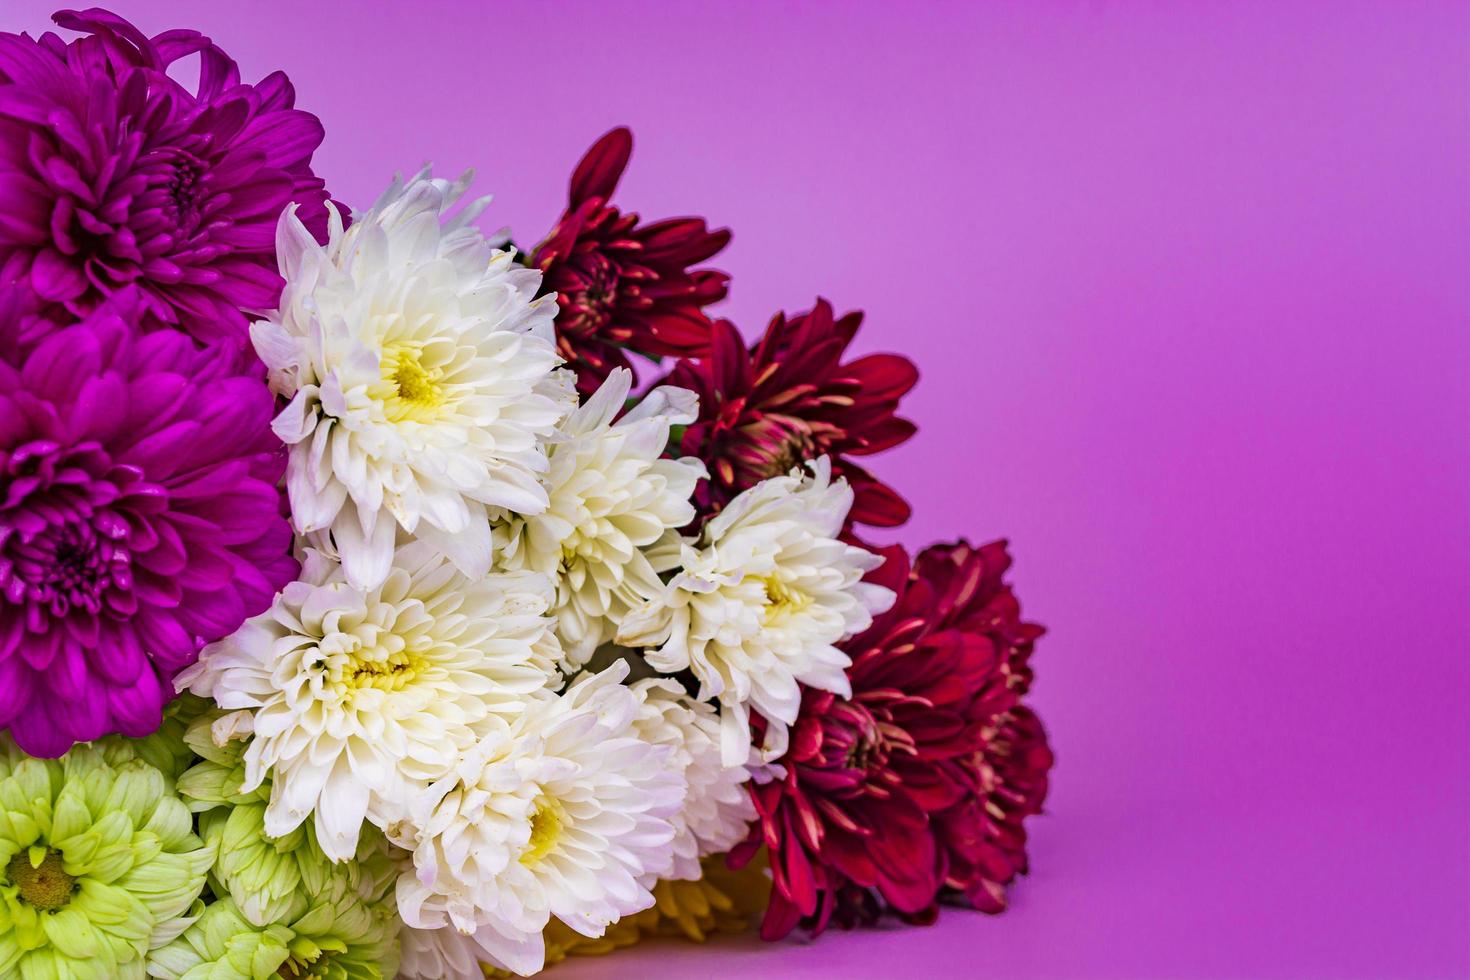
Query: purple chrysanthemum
[
  {"x": 113, "y": 174},
  {"x": 139, "y": 517}
]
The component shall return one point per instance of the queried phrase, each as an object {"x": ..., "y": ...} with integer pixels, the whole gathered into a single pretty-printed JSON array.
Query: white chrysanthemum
[
  {"x": 438, "y": 954},
  {"x": 361, "y": 699},
  {"x": 567, "y": 814},
  {"x": 760, "y": 600},
  {"x": 611, "y": 497},
  {"x": 717, "y": 807},
  {"x": 419, "y": 365}
]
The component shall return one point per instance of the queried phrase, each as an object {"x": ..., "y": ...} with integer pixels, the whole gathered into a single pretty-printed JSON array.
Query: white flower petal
[
  {"x": 759, "y": 602},
  {"x": 610, "y": 496},
  {"x": 423, "y": 373},
  {"x": 359, "y": 700}
]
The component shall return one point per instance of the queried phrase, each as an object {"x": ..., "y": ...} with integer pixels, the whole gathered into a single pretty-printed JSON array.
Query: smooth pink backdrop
[{"x": 1188, "y": 287}]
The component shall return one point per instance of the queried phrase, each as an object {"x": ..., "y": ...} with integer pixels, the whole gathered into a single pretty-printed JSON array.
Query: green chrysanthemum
[
  {"x": 98, "y": 863},
  {"x": 166, "y": 749},
  {"x": 339, "y": 938},
  {"x": 283, "y": 908},
  {"x": 275, "y": 879},
  {"x": 271, "y": 879},
  {"x": 218, "y": 739}
]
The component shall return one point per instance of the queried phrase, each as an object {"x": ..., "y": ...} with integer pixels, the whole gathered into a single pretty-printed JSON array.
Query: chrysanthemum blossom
[
  {"x": 621, "y": 285},
  {"x": 717, "y": 808},
  {"x": 758, "y": 603},
  {"x": 568, "y": 814},
  {"x": 337, "y": 935},
  {"x": 139, "y": 519},
  {"x": 360, "y": 698},
  {"x": 611, "y": 498},
  {"x": 791, "y": 398},
  {"x": 916, "y": 785},
  {"x": 116, "y": 175},
  {"x": 438, "y": 954},
  {"x": 98, "y": 863},
  {"x": 982, "y": 837},
  {"x": 420, "y": 371}
]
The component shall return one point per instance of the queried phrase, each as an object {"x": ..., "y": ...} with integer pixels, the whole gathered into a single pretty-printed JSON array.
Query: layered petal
[
  {"x": 139, "y": 517},
  {"x": 625, "y": 287},
  {"x": 113, "y": 175},
  {"x": 914, "y": 788}
]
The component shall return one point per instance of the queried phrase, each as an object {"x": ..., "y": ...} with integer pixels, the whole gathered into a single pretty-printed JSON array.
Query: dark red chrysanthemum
[
  {"x": 790, "y": 399},
  {"x": 982, "y": 838},
  {"x": 621, "y": 286},
  {"x": 914, "y": 789},
  {"x": 115, "y": 176}
]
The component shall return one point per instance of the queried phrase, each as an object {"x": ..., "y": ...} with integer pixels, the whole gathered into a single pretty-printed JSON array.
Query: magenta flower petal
[
  {"x": 114, "y": 175},
  {"x": 124, "y": 548}
]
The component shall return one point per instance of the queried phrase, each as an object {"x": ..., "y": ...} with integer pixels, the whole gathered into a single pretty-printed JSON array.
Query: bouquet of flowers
[{"x": 378, "y": 599}]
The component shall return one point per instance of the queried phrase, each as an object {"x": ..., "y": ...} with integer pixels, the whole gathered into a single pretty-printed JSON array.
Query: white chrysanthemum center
[
  {"x": 547, "y": 821},
  {"x": 388, "y": 667},
  {"x": 782, "y": 599},
  {"x": 412, "y": 389},
  {"x": 370, "y": 653}
]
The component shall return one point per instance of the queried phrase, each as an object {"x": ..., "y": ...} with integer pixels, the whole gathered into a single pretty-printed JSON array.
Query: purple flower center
[
  {"x": 185, "y": 187},
  {"x": 68, "y": 567},
  {"x": 63, "y": 546}
]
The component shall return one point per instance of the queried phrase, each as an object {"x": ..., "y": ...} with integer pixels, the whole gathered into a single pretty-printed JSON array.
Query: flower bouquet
[{"x": 379, "y": 599}]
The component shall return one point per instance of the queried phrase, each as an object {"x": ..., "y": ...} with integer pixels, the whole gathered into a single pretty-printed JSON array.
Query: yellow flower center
[
  {"x": 414, "y": 383},
  {"x": 37, "y": 874},
  {"x": 781, "y": 598},
  {"x": 546, "y": 827},
  {"x": 378, "y": 659},
  {"x": 390, "y": 674},
  {"x": 410, "y": 390}
]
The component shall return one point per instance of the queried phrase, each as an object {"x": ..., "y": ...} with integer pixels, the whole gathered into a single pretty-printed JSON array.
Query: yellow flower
[{"x": 722, "y": 902}]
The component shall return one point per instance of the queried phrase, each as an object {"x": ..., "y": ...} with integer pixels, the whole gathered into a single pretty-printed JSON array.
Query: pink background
[{"x": 1188, "y": 287}]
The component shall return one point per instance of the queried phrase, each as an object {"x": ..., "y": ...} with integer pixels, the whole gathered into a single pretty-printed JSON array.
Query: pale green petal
[
  {"x": 170, "y": 929},
  {"x": 71, "y": 818},
  {"x": 135, "y": 791},
  {"x": 223, "y": 945},
  {"x": 171, "y": 823},
  {"x": 104, "y": 903},
  {"x": 108, "y": 823},
  {"x": 71, "y": 933}
]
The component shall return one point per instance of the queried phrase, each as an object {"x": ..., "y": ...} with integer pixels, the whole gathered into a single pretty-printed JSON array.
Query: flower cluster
[
  {"x": 914, "y": 788},
  {"x": 624, "y": 287},
  {"x": 360, "y": 615}
]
